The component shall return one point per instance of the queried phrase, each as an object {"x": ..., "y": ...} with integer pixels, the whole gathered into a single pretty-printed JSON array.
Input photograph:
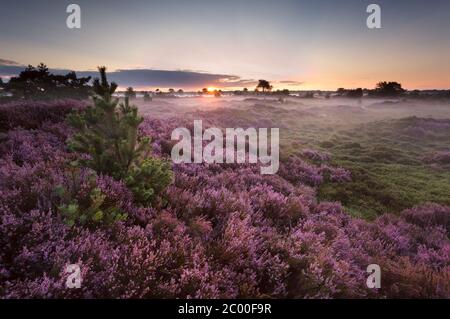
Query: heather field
[{"x": 361, "y": 181}]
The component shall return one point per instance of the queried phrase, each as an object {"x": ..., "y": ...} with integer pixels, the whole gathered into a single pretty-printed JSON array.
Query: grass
[
  {"x": 380, "y": 188},
  {"x": 387, "y": 166}
]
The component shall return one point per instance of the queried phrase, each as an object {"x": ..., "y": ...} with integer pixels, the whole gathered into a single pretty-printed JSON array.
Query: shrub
[
  {"x": 85, "y": 204},
  {"x": 38, "y": 83},
  {"x": 31, "y": 115},
  {"x": 108, "y": 134},
  {"x": 148, "y": 179}
]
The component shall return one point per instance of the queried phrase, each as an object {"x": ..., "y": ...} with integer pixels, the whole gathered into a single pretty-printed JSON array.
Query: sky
[{"x": 190, "y": 44}]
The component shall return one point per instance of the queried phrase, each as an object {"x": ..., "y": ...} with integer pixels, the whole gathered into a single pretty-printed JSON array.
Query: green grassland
[
  {"x": 386, "y": 158},
  {"x": 389, "y": 173}
]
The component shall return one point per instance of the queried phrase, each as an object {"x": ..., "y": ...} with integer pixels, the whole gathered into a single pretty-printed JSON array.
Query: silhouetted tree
[
  {"x": 205, "y": 91},
  {"x": 245, "y": 90},
  {"x": 264, "y": 85},
  {"x": 130, "y": 94},
  {"x": 39, "y": 83},
  {"x": 358, "y": 93},
  {"x": 341, "y": 91},
  {"x": 283, "y": 92},
  {"x": 389, "y": 89}
]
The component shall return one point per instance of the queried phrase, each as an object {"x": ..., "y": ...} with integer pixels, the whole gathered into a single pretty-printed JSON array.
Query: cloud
[
  {"x": 4, "y": 62},
  {"x": 150, "y": 78},
  {"x": 9, "y": 68},
  {"x": 175, "y": 79},
  {"x": 147, "y": 77},
  {"x": 291, "y": 83}
]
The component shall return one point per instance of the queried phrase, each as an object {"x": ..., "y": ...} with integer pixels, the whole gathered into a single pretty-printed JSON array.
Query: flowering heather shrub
[
  {"x": 298, "y": 172},
  {"x": 429, "y": 215},
  {"x": 19, "y": 113},
  {"x": 218, "y": 231},
  {"x": 336, "y": 174}
]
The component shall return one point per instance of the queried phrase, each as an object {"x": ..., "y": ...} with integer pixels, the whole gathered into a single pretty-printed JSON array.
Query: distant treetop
[
  {"x": 38, "y": 83},
  {"x": 264, "y": 85}
]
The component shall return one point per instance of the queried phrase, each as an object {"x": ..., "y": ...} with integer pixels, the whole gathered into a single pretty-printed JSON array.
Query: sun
[{"x": 212, "y": 89}]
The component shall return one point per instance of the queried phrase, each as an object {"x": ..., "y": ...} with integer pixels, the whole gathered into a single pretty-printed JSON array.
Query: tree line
[{"x": 39, "y": 84}]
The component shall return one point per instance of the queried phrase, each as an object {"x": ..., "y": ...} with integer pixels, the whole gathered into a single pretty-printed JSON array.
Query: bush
[
  {"x": 148, "y": 179},
  {"x": 38, "y": 83},
  {"x": 85, "y": 204},
  {"x": 108, "y": 134}
]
